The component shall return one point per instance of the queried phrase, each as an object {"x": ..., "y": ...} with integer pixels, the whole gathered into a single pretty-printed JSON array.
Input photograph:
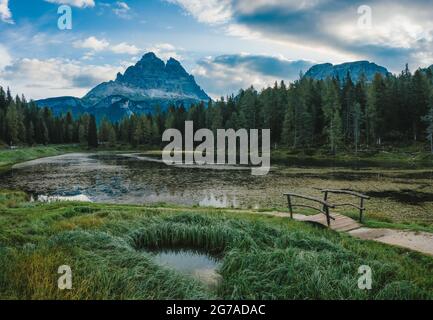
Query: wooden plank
[{"x": 341, "y": 223}]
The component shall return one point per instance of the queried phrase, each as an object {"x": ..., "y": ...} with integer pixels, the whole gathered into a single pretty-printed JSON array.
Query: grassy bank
[
  {"x": 9, "y": 157},
  {"x": 262, "y": 257},
  {"x": 398, "y": 156}
]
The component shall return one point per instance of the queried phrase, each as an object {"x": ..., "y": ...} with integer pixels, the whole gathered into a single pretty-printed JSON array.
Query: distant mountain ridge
[
  {"x": 354, "y": 69},
  {"x": 151, "y": 83},
  {"x": 143, "y": 87}
]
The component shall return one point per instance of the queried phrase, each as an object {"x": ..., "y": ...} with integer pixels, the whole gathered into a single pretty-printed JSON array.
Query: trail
[{"x": 413, "y": 240}]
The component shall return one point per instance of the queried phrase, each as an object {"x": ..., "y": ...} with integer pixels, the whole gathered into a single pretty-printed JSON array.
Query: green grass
[
  {"x": 10, "y": 157},
  {"x": 403, "y": 155},
  {"x": 263, "y": 257}
]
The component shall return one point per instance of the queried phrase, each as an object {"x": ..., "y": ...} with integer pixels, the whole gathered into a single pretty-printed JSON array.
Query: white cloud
[
  {"x": 75, "y": 3},
  {"x": 228, "y": 74},
  {"x": 217, "y": 79},
  {"x": 212, "y": 12},
  {"x": 92, "y": 43},
  {"x": 402, "y": 30},
  {"x": 248, "y": 7},
  {"x": 241, "y": 31},
  {"x": 5, "y": 57},
  {"x": 124, "y": 48},
  {"x": 122, "y": 10},
  {"x": 165, "y": 51},
  {"x": 5, "y": 12},
  {"x": 119, "y": 8},
  {"x": 55, "y": 77},
  {"x": 96, "y": 45}
]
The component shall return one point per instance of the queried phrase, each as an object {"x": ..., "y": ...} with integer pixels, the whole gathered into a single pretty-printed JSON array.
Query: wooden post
[
  {"x": 325, "y": 198},
  {"x": 290, "y": 206},
  {"x": 361, "y": 210},
  {"x": 328, "y": 219}
]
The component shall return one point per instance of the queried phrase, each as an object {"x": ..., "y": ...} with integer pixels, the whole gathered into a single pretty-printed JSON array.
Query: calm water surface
[
  {"x": 139, "y": 179},
  {"x": 198, "y": 265}
]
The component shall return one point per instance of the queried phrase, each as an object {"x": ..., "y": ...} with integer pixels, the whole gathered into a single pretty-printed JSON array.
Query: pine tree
[
  {"x": 92, "y": 133},
  {"x": 428, "y": 120},
  {"x": 332, "y": 114},
  {"x": 137, "y": 137},
  {"x": 31, "y": 134},
  {"x": 111, "y": 136},
  {"x": 44, "y": 133},
  {"x": 421, "y": 94},
  {"x": 357, "y": 124},
  {"x": 104, "y": 130},
  {"x": 11, "y": 125}
]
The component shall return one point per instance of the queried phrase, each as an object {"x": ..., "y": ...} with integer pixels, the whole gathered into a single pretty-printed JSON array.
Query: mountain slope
[
  {"x": 143, "y": 87},
  {"x": 63, "y": 104},
  {"x": 355, "y": 69}
]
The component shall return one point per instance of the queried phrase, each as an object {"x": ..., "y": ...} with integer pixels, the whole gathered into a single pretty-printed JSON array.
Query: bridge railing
[
  {"x": 324, "y": 205},
  {"x": 360, "y": 196}
]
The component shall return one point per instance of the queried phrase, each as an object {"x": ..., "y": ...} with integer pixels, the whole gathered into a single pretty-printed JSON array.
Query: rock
[{"x": 143, "y": 87}]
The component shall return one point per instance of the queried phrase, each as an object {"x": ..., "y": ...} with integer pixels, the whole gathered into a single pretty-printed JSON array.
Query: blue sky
[{"x": 225, "y": 44}]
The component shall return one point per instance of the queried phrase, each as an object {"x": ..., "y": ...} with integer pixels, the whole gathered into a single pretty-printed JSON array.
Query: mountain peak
[
  {"x": 355, "y": 69},
  {"x": 174, "y": 66},
  {"x": 149, "y": 55},
  {"x": 150, "y": 79},
  {"x": 172, "y": 61}
]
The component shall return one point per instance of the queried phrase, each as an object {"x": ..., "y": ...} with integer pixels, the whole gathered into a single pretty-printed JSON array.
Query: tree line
[
  {"x": 336, "y": 114},
  {"x": 23, "y": 122}
]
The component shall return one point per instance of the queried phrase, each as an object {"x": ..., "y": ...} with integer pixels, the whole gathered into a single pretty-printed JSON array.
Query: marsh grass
[
  {"x": 10, "y": 157},
  {"x": 262, "y": 257}
]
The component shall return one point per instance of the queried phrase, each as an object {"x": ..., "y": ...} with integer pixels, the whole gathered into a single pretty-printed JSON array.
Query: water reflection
[
  {"x": 137, "y": 179},
  {"x": 49, "y": 199},
  {"x": 220, "y": 202},
  {"x": 198, "y": 265}
]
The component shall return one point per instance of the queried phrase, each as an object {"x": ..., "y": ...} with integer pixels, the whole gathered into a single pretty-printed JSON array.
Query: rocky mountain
[
  {"x": 355, "y": 69},
  {"x": 143, "y": 87}
]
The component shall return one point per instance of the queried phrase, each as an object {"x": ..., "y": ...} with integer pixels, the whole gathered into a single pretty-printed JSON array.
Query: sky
[{"x": 226, "y": 44}]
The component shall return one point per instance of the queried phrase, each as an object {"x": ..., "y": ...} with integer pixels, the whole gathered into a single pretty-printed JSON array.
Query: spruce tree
[{"x": 92, "y": 133}]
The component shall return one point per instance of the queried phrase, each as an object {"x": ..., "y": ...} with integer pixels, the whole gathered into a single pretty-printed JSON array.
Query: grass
[
  {"x": 416, "y": 152},
  {"x": 10, "y": 157},
  {"x": 263, "y": 257}
]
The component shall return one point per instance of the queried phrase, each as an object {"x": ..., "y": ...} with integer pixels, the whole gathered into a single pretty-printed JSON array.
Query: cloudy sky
[{"x": 226, "y": 44}]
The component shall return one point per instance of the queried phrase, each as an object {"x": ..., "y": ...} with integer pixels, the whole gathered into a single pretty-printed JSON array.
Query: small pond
[{"x": 191, "y": 262}]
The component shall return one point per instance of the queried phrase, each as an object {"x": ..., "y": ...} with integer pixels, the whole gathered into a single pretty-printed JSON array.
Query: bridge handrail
[
  {"x": 361, "y": 196},
  {"x": 352, "y": 193},
  {"x": 324, "y": 210}
]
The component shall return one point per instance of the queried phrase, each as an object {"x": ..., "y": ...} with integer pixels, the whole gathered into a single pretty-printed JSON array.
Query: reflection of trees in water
[
  {"x": 111, "y": 178},
  {"x": 224, "y": 201}
]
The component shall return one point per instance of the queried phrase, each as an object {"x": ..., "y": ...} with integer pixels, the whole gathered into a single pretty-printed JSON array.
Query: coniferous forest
[{"x": 333, "y": 114}]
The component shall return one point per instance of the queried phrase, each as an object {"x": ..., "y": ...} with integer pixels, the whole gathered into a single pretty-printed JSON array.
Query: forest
[{"x": 334, "y": 114}]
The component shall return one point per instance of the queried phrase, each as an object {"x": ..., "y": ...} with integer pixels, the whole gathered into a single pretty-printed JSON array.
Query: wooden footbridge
[{"x": 334, "y": 221}]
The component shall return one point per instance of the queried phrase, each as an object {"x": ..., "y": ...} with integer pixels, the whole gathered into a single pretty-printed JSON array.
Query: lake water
[{"x": 141, "y": 179}]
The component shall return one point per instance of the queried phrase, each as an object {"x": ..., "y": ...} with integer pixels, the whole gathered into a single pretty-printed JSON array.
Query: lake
[{"x": 398, "y": 192}]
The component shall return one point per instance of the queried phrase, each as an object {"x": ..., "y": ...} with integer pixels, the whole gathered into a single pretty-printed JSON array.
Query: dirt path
[{"x": 416, "y": 241}]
